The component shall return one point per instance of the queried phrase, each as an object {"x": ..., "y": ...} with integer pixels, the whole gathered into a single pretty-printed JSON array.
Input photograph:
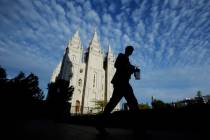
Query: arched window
[
  {"x": 73, "y": 58},
  {"x": 81, "y": 70},
  {"x": 80, "y": 82},
  {"x": 94, "y": 80}
]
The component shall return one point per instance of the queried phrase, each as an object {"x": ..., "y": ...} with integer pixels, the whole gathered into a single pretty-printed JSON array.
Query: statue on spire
[{"x": 95, "y": 44}]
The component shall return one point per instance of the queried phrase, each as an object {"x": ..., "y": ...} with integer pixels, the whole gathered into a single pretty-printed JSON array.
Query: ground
[{"x": 51, "y": 130}]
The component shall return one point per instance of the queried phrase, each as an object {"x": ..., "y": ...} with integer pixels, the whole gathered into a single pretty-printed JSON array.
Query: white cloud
[
  {"x": 151, "y": 38},
  {"x": 81, "y": 1},
  {"x": 174, "y": 3},
  {"x": 92, "y": 17},
  {"x": 125, "y": 2},
  {"x": 107, "y": 19},
  {"x": 87, "y": 6},
  {"x": 58, "y": 8},
  {"x": 104, "y": 30},
  {"x": 116, "y": 32},
  {"x": 141, "y": 27},
  {"x": 112, "y": 8},
  {"x": 71, "y": 7},
  {"x": 136, "y": 15},
  {"x": 165, "y": 3}
]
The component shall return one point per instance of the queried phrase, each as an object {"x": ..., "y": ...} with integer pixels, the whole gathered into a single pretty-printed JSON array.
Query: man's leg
[
  {"x": 133, "y": 106},
  {"x": 100, "y": 124},
  {"x": 116, "y": 97},
  {"x": 130, "y": 98}
]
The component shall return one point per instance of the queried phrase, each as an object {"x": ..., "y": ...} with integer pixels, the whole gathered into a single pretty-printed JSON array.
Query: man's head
[{"x": 129, "y": 50}]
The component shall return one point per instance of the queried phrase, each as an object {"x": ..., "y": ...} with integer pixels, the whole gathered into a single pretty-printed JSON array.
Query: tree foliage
[
  {"x": 100, "y": 104},
  {"x": 3, "y": 74},
  {"x": 158, "y": 104},
  {"x": 59, "y": 93},
  {"x": 21, "y": 88},
  {"x": 21, "y": 95},
  {"x": 199, "y": 94},
  {"x": 144, "y": 106}
]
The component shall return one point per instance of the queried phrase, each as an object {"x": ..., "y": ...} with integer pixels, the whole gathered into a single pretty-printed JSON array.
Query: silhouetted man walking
[
  {"x": 121, "y": 85},
  {"x": 120, "y": 81}
]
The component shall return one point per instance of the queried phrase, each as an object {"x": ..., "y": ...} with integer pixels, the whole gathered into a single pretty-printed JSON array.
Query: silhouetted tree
[
  {"x": 199, "y": 94},
  {"x": 59, "y": 93},
  {"x": 100, "y": 105},
  {"x": 3, "y": 83},
  {"x": 3, "y": 74},
  {"x": 20, "y": 94},
  {"x": 199, "y": 99},
  {"x": 32, "y": 86},
  {"x": 178, "y": 105},
  {"x": 25, "y": 89},
  {"x": 144, "y": 106},
  {"x": 158, "y": 104}
]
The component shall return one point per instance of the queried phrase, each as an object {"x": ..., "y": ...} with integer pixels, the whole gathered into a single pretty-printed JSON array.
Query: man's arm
[{"x": 131, "y": 68}]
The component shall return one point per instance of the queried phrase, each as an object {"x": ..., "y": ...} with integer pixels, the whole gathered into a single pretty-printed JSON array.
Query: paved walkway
[{"x": 49, "y": 130}]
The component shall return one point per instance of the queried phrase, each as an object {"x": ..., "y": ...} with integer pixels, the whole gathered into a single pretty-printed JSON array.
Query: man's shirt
[{"x": 123, "y": 70}]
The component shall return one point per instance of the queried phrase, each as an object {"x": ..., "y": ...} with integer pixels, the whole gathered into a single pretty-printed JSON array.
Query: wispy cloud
[{"x": 170, "y": 36}]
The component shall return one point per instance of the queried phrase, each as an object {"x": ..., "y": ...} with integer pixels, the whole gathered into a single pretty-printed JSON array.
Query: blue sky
[{"x": 171, "y": 39}]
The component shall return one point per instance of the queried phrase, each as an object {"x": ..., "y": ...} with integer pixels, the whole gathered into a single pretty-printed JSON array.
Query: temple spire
[
  {"x": 109, "y": 49},
  {"x": 110, "y": 53},
  {"x": 94, "y": 42},
  {"x": 75, "y": 39},
  {"x": 76, "y": 34}
]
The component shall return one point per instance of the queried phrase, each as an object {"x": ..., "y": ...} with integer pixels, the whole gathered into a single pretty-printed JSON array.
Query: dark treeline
[
  {"x": 195, "y": 103},
  {"x": 19, "y": 94},
  {"x": 22, "y": 98}
]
